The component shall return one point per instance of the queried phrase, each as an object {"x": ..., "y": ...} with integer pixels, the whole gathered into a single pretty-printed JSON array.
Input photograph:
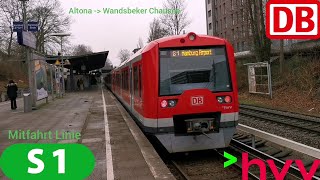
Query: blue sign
[
  {"x": 26, "y": 38},
  {"x": 17, "y": 26},
  {"x": 33, "y": 26}
]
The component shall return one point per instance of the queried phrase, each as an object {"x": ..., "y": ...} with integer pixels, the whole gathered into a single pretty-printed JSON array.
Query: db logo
[
  {"x": 288, "y": 19},
  {"x": 197, "y": 100}
]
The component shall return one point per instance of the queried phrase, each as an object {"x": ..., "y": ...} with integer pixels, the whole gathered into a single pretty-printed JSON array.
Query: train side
[{"x": 183, "y": 90}]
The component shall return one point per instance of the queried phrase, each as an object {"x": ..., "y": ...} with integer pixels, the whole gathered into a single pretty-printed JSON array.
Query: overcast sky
[{"x": 105, "y": 32}]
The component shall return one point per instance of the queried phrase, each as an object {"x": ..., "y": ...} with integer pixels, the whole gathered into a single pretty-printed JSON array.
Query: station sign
[
  {"x": 17, "y": 26},
  {"x": 28, "y": 39},
  {"x": 33, "y": 26}
]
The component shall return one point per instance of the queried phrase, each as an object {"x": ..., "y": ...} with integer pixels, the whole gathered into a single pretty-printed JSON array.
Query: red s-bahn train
[{"x": 181, "y": 89}]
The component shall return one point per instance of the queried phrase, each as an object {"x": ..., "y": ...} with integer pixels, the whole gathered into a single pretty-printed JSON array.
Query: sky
[{"x": 105, "y": 32}]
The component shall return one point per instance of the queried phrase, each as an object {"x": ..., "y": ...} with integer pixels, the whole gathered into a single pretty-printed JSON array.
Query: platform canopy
[{"x": 83, "y": 63}]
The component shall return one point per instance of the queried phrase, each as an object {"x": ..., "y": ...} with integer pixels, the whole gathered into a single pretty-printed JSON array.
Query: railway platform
[{"x": 120, "y": 148}]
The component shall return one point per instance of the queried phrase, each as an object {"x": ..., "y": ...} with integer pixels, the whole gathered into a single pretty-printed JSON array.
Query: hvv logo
[
  {"x": 293, "y": 19},
  {"x": 279, "y": 174}
]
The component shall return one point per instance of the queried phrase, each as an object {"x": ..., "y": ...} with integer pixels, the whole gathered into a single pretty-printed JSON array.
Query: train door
[{"x": 137, "y": 90}]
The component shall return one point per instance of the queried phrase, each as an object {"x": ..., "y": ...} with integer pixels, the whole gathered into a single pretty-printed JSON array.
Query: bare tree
[
  {"x": 261, "y": 44},
  {"x": 124, "y": 54},
  {"x": 156, "y": 30},
  {"x": 140, "y": 43},
  {"x": 51, "y": 19},
  {"x": 81, "y": 49},
  {"x": 10, "y": 11},
  {"x": 49, "y": 15},
  {"x": 174, "y": 23}
]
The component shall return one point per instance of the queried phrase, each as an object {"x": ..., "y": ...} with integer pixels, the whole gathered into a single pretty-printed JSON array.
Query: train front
[{"x": 198, "y": 98}]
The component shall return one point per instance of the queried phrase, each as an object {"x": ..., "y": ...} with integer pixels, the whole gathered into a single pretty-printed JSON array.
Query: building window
[
  {"x": 232, "y": 19},
  {"x": 209, "y": 13},
  {"x": 216, "y": 12},
  {"x": 220, "y": 11},
  {"x": 238, "y": 47},
  {"x": 224, "y": 8},
  {"x": 242, "y": 14},
  {"x": 233, "y": 35},
  {"x": 241, "y": 2},
  {"x": 221, "y": 24},
  {"x": 216, "y": 27},
  {"x": 242, "y": 44},
  {"x": 210, "y": 26},
  {"x": 209, "y": 1},
  {"x": 232, "y": 5},
  {"x": 225, "y": 34},
  {"x": 238, "y": 34},
  {"x": 225, "y": 22},
  {"x": 237, "y": 17}
]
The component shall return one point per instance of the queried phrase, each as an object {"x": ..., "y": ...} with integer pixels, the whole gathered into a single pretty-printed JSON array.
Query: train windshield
[{"x": 187, "y": 69}]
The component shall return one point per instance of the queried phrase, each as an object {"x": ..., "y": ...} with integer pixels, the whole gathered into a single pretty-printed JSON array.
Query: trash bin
[{"x": 27, "y": 104}]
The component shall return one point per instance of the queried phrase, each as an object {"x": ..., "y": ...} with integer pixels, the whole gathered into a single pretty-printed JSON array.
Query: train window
[
  {"x": 186, "y": 69},
  {"x": 135, "y": 81},
  {"x": 140, "y": 81}
]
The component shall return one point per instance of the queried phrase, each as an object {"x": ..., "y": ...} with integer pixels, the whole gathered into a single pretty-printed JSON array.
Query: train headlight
[
  {"x": 168, "y": 103},
  {"x": 220, "y": 100},
  {"x": 172, "y": 103},
  {"x": 192, "y": 37},
  {"x": 164, "y": 103},
  {"x": 227, "y": 99},
  {"x": 224, "y": 99}
]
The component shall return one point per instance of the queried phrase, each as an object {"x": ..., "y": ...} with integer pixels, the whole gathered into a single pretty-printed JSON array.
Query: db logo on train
[
  {"x": 288, "y": 19},
  {"x": 197, "y": 100}
]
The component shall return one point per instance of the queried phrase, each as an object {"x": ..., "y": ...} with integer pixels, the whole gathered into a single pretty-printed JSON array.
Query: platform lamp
[{"x": 61, "y": 35}]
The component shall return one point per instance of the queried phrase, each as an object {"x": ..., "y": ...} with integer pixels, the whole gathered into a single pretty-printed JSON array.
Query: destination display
[{"x": 191, "y": 52}]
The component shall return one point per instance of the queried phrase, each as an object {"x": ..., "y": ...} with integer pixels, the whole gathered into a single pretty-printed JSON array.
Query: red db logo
[
  {"x": 197, "y": 100},
  {"x": 293, "y": 19}
]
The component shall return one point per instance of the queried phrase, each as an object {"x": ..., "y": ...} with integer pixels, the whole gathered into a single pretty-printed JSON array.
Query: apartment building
[{"x": 228, "y": 19}]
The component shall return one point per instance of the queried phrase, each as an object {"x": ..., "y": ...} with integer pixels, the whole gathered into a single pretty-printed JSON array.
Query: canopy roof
[{"x": 91, "y": 61}]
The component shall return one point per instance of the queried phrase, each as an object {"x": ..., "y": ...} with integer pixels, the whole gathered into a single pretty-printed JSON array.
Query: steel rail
[{"x": 296, "y": 123}]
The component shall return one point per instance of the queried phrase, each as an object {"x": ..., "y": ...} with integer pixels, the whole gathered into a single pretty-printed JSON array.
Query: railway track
[
  {"x": 209, "y": 164},
  {"x": 306, "y": 123},
  {"x": 204, "y": 165},
  {"x": 275, "y": 148}
]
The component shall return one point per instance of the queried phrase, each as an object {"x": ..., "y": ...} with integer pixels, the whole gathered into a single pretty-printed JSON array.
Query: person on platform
[
  {"x": 12, "y": 92},
  {"x": 78, "y": 84},
  {"x": 81, "y": 84}
]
